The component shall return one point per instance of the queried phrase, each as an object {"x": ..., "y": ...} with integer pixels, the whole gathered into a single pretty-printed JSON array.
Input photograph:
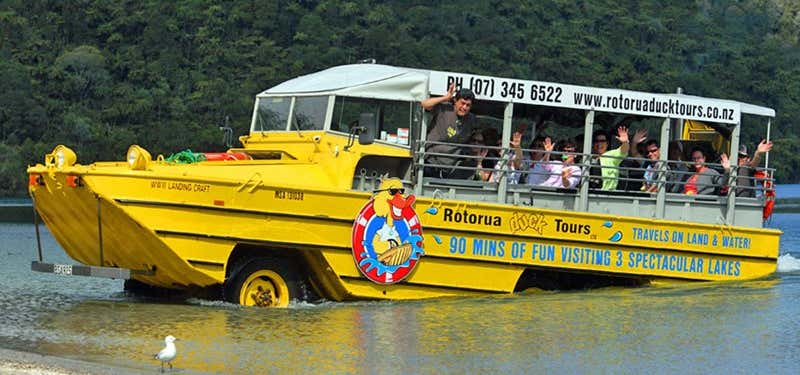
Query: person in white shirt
[{"x": 563, "y": 173}]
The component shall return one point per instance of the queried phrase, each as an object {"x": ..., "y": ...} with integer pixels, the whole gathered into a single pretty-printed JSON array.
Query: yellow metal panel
[{"x": 468, "y": 276}]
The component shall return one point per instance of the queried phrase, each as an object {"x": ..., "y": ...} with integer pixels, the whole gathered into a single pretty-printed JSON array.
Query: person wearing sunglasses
[
  {"x": 605, "y": 163},
  {"x": 453, "y": 124},
  {"x": 651, "y": 166},
  {"x": 675, "y": 169}
]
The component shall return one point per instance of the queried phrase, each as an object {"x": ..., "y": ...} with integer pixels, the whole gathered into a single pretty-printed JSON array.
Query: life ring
[{"x": 769, "y": 193}]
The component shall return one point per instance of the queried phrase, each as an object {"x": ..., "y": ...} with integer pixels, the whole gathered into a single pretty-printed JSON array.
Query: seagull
[{"x": 167, "y": 354}]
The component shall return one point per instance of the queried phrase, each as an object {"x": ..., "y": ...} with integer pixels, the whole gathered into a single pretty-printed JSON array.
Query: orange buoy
[
  {"x": 769, "y": 194},
  {"x": 221, "y": 156}
]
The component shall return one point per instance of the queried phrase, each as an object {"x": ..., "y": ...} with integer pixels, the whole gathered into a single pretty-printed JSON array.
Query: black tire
[{"x": 265, "y": 282}]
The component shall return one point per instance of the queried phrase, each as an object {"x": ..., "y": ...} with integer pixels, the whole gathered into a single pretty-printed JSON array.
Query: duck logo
[{"x": 387, "y": 235}]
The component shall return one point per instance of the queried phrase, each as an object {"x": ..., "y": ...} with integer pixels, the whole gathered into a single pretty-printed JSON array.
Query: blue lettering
[
  {"x": 477, "y": 246},
  {"x": 736, "y": 242},
  {"x": 697, "y": 238},
  {"x": 484, "y": 247},
  {"x": 548, "y": 253}
]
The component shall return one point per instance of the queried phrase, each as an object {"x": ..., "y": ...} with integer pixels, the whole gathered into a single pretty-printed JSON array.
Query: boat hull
[{"x": 183, "y": 230}]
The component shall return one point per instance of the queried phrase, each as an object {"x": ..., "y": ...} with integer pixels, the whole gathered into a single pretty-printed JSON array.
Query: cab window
[{"x": 395, "y": 118}]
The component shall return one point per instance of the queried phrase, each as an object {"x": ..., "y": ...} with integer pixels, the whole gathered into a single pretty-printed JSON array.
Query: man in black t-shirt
[{"x": 452, "y": 124}]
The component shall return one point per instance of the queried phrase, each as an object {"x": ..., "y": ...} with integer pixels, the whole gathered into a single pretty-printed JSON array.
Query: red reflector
[
  {"x": 74, "y": 181},
  {"x": 218, "y": 202},
  {"x": 35, "y": 179}
]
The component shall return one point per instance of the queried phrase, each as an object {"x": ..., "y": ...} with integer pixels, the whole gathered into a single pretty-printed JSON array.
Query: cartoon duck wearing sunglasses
[
  {"x": 387, "y": 234},
  {"x": 389, "y": 203}
]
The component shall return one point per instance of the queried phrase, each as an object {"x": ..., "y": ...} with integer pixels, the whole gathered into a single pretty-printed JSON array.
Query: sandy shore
[{"x": 23, "y": 363}]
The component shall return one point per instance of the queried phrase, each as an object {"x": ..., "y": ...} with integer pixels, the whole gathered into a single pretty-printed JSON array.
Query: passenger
[
  {"x": 564, "y": 173},
  {"x": 677, "y": 172},
  {"x": 599, "y": 146},
  {"x": 512, "y": 158},
  {"x": 652, "y": 167},
  {"x": 746, "y": 168},
  {"x": 452, "y": 123},
  {"x": 632, "y": 169},
  {"x": 704, "y": 180},
  {"x": 475, "y": 166},
  {"x": 491, "y": 138},
  {"x": 537, "y": 172},
  {"x": 606, "y": 163}
]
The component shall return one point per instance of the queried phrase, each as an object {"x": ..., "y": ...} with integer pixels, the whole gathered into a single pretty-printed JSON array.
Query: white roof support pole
[
  {"x": 255, "y": 114},
  {"x": 661, "y": 195},
  {"x": 678, "y": 133},
  {"x": 291, "y": 116},
  {"x": 730, "y": 214},
  {"x": 588, "y": 129},
  {"x": 420, "y": 167},
  {"x": 329, "y": 112},
  {"x": 766, "y": 155},
  {"x": 502, "y": 186}
]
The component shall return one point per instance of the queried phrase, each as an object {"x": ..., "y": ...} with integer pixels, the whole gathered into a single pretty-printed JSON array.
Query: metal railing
[{"x": 670, "y": 175}]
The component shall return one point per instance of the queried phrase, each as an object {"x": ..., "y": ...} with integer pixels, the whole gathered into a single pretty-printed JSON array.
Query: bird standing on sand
[{"x": 167, "y": 354}]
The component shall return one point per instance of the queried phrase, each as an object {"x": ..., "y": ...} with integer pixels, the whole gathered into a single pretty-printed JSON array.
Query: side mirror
[{"x": 369, "y": 127}]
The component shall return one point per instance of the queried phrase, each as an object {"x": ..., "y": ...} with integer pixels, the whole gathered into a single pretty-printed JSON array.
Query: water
[
  {"x": 698, "y": 328},
  {"x": 787, "y": 191}
]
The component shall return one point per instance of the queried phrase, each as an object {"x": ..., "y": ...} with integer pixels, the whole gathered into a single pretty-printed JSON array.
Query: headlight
[
  {"x": 61, "y": 157},
  {"x": 138, "y": 158}
]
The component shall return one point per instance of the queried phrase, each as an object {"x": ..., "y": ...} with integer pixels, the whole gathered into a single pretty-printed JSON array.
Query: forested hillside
[{"x": 101, "y": 75}]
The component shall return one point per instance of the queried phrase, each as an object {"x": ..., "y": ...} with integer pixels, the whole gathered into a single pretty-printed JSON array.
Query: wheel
[{"x": 264, "y": 282}]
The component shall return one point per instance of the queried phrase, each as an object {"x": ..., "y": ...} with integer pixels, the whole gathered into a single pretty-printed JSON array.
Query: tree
[{"x": 82, "y": 72}]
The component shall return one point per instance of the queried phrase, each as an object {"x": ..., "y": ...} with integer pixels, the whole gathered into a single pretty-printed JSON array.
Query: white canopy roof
[
  {"x": 361, "y": 80},
  {"x": 407, "y": 84}
]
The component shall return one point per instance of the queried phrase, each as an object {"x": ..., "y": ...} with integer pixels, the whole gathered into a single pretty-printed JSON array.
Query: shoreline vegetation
[{"x": 99, "y": 76}]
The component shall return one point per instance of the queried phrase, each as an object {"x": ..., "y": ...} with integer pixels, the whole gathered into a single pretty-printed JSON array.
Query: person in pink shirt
[{"x": 563, "y": 173}]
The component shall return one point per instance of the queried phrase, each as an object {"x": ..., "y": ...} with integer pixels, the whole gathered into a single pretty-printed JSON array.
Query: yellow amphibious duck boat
[{"x": 326, "y": 197}]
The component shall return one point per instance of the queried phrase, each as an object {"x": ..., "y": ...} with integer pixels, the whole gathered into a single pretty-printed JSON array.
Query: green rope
[{"x": 186, "y": 157}]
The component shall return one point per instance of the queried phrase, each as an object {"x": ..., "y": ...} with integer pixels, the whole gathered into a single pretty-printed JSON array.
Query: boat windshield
[
  {"x": 272, "y": 113},
  {"x": 308, "y": 113}
]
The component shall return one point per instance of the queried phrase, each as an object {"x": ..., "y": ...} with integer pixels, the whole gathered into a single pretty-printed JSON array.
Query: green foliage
[{"x": 101, "y": 75}]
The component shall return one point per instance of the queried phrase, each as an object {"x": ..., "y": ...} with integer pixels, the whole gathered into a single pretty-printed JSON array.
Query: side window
[
  {"x": 346, "y": 112},
  {"x": 309, "y": 112},
  {"x": 394, "y": 117},
  {"x": 272, "y": 113}
]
